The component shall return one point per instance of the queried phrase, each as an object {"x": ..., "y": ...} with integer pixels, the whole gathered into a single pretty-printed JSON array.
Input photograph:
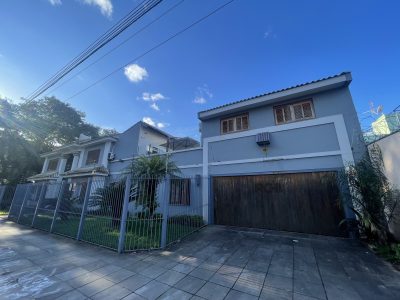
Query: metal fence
[
  {"x": 6, "y": 196},
  {"x": 125, "y": 214}
]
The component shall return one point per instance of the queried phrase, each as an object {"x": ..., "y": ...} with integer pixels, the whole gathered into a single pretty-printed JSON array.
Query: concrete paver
[{"x": 215, "y": 263}]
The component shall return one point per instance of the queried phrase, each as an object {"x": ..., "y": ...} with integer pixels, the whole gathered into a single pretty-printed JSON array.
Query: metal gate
[{"x": 124, "y": 214}]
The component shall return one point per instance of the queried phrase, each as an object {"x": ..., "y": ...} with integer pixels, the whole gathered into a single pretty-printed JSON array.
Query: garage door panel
[{"x": 301, "y": 202}]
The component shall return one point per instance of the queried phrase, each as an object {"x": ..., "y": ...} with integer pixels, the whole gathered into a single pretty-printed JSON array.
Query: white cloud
[
  {"x": 152, "y": 97},
  {"x": 105, "y": 6},
  {"x": 55, "y": 2},
  {"x": 135, "y": 73},
  {"x": 155, "y": 106},
  {"x": 199, "y": 100},
  {"x": 203, "y": 94},
  {"x": 151, "y": 122}
]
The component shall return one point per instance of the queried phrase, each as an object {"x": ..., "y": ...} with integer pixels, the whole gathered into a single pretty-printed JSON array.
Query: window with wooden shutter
[
  {"x": 294, "y": 112},
  {"x": 180, "y": 192},
  {"x": 237, "y": 123}
]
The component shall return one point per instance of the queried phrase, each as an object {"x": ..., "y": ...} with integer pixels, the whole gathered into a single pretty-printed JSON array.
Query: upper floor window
[
  {"x": 53, "y": 164},
  {"x": 294, "y": 112},
  {"x": 237, "y": 123},
  {"x": 93, "y": 157}
]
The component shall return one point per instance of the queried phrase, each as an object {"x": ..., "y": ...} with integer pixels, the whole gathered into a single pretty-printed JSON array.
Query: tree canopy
[{"x": 33, "y": 127}]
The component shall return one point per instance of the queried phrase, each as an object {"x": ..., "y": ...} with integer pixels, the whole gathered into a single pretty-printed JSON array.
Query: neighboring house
[
  {"x": 386, "y": 124},
  {"x": 382, "y": 126},
  {"x": 269, "y": 161},
  {"x": 97, "y": 157},
  {"x": 75, "y": 162}
]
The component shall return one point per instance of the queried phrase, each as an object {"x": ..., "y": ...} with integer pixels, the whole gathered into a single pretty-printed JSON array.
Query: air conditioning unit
[
  {"x": 111, "y": 156},
  {"x": 263, "y": 139}
]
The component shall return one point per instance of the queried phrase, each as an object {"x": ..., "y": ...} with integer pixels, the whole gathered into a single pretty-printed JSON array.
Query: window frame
[
  {"x": 179, "y": 196},
  {"x": 87, "y": 156},
  {"x": 292, "y": 113},
  {"x": 233, "y": 118},
  {"x": 48, "y": 165}
]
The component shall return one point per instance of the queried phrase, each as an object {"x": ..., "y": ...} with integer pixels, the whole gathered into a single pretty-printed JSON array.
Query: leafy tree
[
  {"x": 33, "y": 127},
  {"x": 53, "y": 122},
  {"x": 18, "y": 157}
]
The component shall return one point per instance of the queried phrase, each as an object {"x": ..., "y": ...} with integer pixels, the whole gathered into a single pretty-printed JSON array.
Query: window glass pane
[
  {"x": 239, "y": 123},
  {"x": 279, "y": 115},
  {"x": 287, "y": 113},
  {"x": 224, "y": 126},
  {"x": 307, "y": 111},
  {"x": 298, "y": 112},
  {"x": 230, "y": 125},
  {"x": 93, "y": 157},
  {"x": 245, "y": 122},
  {"x": 52, "y": 165},
  {"x": 180, "y": 192}
]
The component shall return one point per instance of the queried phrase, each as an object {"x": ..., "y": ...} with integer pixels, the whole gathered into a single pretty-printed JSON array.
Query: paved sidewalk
[{"x": 216, "y": 263}]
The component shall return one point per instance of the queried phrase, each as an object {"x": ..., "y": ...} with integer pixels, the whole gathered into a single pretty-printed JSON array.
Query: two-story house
[
  {"x": 97, "y": 158},
  {"x": 273, "y": 159}
]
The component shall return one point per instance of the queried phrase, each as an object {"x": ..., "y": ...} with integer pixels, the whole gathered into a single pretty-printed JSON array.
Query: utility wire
[
  {"x": 95, "y": 45},
  {"x": 153, "y": 48},
  {"x": 104, "y": 39},
  {"x": 117, "y": 46}
]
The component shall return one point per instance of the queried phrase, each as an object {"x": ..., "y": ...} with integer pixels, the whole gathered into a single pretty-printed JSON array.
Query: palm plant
[{"x": 147, "y": 173}]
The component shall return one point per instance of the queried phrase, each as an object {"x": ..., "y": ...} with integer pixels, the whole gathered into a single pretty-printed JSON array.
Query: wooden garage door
[{"x": 299, "y": 202}]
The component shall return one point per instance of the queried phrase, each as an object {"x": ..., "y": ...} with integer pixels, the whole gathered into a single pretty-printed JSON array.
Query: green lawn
[
  {"x": 3, "y": 212},
  {"x": 140, "y": 234}
]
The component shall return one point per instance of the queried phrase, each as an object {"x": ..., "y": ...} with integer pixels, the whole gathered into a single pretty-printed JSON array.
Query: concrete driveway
[{"x": 216, "y": 263}]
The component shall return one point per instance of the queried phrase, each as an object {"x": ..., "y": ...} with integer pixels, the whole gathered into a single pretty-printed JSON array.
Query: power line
[
  {"x": 104, "y": 39},
  {"x": 153, "y": 48},
  {"x": 117, "y": 46}
]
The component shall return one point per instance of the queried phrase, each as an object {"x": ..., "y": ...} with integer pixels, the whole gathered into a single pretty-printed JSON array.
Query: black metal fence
[{"x": 125, "y": 214}]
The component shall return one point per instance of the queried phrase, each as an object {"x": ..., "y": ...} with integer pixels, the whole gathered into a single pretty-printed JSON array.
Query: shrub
[
  {"x": 370, "y": 197},
  {"x": 187, "y": 220}
]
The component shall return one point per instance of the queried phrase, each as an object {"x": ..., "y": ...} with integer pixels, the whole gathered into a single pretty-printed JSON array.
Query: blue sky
[{"x": 248, "y": 48}]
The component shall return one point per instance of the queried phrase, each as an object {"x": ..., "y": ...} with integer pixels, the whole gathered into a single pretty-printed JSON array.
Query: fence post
[
  {"x": 23, "y": 202},
  {"x": 2, "y": 193},
  {"x": 165, "y": 202},
  {"x": 84, "y": 208},
  {"x": 124, "y": 215},
  {"x": 42, "y": 190},
  {"x": 59, "y": 199}
]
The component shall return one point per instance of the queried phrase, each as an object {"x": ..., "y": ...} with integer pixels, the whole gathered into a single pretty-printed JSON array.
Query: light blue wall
[
  {"x": 125, "y": 147},
  {"x": 279, "y": 166},
  {"x": 127, "y": 144},
  {"x": 297, "y": 141},
  {"x": 333, "y": 102},
  {"x": 187, "y": 158}
]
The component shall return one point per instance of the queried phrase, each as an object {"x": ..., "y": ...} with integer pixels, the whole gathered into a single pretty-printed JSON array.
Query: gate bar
[{"x": 84, "y": 208}]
